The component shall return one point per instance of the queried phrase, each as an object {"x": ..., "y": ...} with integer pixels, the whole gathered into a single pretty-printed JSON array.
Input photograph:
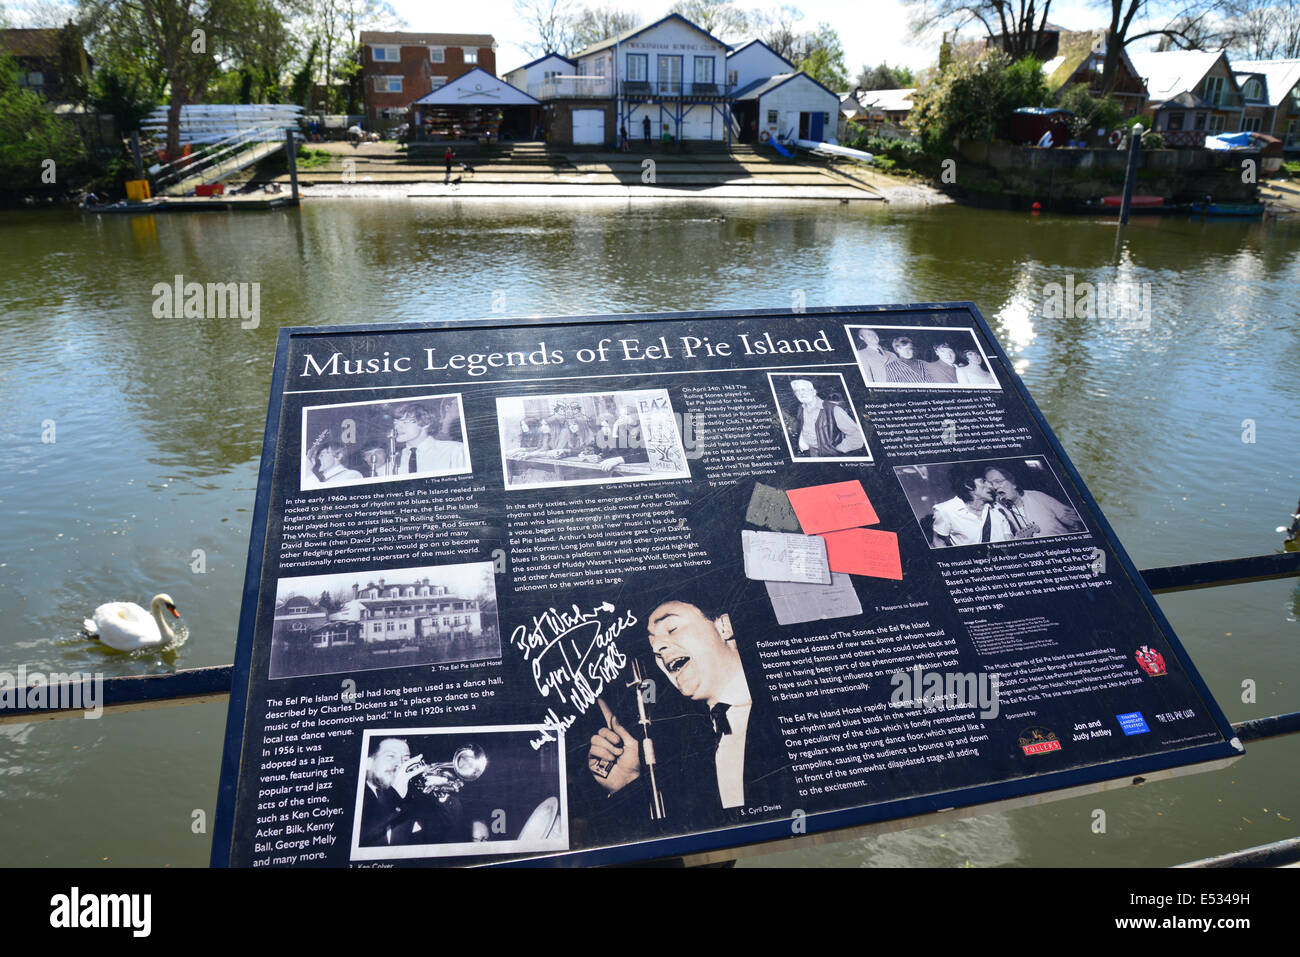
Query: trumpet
[{"x": 447, "y": 777}]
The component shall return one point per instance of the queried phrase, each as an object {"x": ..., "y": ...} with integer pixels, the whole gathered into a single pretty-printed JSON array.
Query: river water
[{"x": 1186, "y": 433}]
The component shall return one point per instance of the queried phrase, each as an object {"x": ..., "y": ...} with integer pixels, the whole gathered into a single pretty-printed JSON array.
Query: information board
[{"x": 600, "y": 589}]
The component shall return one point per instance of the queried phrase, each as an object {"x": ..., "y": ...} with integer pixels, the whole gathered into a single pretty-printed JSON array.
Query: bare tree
[
  {"x": 595, "y": 24},
  {"x": 779, "y": 29},
  {"x": 722, "y": 18},
  {"x": 551, "y": 21},
  {"x": 1016, "y": 25}
]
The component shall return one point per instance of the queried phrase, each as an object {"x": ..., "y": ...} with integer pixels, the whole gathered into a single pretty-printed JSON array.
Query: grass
[{"x": 313, "y": 159}]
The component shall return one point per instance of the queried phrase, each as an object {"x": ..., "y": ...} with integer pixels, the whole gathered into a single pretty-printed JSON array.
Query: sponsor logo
[
  {"x": 1151, "y": 661},
  {"x": 1039, "y": 741},
  {"x": 1132, "y": 723}
]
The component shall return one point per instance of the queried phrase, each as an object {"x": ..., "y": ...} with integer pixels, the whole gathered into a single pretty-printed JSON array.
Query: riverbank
[{"x": 531, "y": 171}]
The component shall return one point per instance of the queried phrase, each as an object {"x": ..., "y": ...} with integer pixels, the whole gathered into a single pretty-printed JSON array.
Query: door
[
  {"x": 803, "y": 125},
  {"x": 670, "y": 75},
  {"x": 815, "y": 128},
  {"x": 698, "y": 123},
  {"x": 588, "y": 127}
]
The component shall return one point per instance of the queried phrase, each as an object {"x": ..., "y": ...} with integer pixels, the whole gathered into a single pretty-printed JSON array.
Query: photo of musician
[
  {"x": 589, "y": 439},
  {"x": 383, "y": 441},
  {"x": 988, "y": 501},
  {"x": 733, "y": 759},
  {"x": 920, "y": 357},
  {"x": 819, "y": 420},
  {"x": 456, "y": 792}
]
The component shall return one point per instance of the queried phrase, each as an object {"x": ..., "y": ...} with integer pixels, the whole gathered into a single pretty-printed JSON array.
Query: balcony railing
[
  {"x": 573, "y": 87},
  {"x": 633, "y": 89}
]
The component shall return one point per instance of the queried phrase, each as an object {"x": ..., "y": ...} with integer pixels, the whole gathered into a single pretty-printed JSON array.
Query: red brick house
[{"x": 399, "y": 68}]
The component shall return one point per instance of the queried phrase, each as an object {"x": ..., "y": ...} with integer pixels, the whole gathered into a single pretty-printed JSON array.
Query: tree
[
  {"x": 1017, "y": 25},
  {"x": 884, "y": 77},
  {"x": 125, "y": 97},
  {"x": 722, "y": 18},
  {"x": 973, "y": 99},
  {"x": 822, "y": 58},
  {"x": 551, "y": 22},
  {"x": 594, "y": 24},
  {"x": 779, "y": 29},
  {"x": 30, "y": 135}
]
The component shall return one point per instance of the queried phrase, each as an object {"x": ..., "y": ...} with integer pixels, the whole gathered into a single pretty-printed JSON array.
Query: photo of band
[
  {"x": 921, "y": 357},
  {"x": 818, "y": 419},
  {"x": 994, "y": 500},
  {"x": 364, "y": 620},
  {"x": 593, "y": 438},
  {"x": 383, "y": 441},
  {"x": 448, "y": 792}
]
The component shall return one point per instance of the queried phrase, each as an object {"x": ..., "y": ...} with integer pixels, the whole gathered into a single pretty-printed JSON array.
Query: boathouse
[
  {"x": 475, "y": 106},
  {"x": 789, "y": 106}
]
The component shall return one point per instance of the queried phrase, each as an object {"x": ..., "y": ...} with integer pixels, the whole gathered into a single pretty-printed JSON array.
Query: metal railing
[
  {"x": 217, "y": 160},
  {"x": 631, "y": 89},
  {"x": 572, "y": 88}
]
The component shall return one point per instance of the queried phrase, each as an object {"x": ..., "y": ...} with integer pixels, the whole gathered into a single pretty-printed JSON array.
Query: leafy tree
[
  {"x": 122, "y": 95},
  {"x": 973, "y": 99},
  {"x": 884, "y": 77},
  {"x": 822, "y": 58},
  {"x": 74, "y": 70},
  {"x": 1089, "y": 112},
  {"x": 30, "y": 134}
]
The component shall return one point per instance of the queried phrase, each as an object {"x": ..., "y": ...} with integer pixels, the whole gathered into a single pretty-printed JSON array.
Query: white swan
[{"x": 124, "y": 625}]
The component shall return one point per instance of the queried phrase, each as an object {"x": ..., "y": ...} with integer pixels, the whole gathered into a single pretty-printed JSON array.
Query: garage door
[
  {"x": 588, "y": 126},
  {"x": 698, "y": 124}
]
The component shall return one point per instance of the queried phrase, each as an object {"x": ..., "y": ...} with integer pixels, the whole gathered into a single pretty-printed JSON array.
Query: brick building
[{"x": 399, "y": 68}]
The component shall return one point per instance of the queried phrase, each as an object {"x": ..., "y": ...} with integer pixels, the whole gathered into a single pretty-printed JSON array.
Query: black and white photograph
[
  {"x": 592, "y": 438},
  {"x": 819, "y": 420},
  {"x": 921, "y": 357},
  {"x": 993, "y": 500},
  {"x": 387, "y": 440},
  {"x": 385, "y": 618},
  {"x": 454, "y": 792}
]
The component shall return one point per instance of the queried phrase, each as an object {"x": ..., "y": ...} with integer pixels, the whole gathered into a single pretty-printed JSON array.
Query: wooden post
[
  {"x": 291, "y": 151},
  {"x": 1135, "y": 144},
  {"x": 135, "y": 153}
]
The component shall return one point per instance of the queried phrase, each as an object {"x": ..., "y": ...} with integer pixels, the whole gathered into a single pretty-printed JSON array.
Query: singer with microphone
[
  {"x": 426, "y": 441},
  {"x": 734, "y": 758}
]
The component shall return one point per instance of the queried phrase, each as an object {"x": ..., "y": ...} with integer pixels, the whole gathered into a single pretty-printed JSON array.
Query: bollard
[{"x": 1135, "y": 143}]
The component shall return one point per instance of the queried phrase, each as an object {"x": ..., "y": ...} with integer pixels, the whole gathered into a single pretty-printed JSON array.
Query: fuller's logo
[
  {"x": 1151, "y": 661},
  {"x": 1038, "y": 741}
]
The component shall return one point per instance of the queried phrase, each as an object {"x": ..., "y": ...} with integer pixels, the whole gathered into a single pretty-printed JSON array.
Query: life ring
[
  {"x": 1115, "y": 137},
  {"x": 764, "y": 136}
]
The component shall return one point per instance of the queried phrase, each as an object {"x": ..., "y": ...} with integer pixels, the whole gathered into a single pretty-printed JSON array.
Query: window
[
  {"x": 1176, "y": 121},
  {"x": 437, "y": 55},
  {"x": 385, "y": 54},
  {"x": 670, "y": 73},
  {"x": 1214, "y": 89},
  {"x": 1200, "y": 121},
  {"x": 1253, "y": 89},
  {"x": 771, "y": 118},
  {"x": 1217, "y": 123},
  {"x": 732, "y": 76},
  {"x": 438, "y": 82},
  {"x": 388, "y": 84},
  {"x": 704, "y": 69},
  {"x": 1250, "y": 124},
  {"x": 471, "y": 56},
  {"x": 637, "y": 67}
]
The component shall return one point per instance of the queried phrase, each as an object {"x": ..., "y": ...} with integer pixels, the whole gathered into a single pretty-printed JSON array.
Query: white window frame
[
  {"x": 700, "y": 61},
  {"x": 644, "y": 60},
  {"x": 438, "y": 82},
  {"x": 437, "y": 54},
  {"x": 773, "y": 117},
  {"x": 471, "y": 57},
  {"x": 1214, "y": 87},
  {"x": 386, "y": 53},
  {"x": 384, "y": 84}
]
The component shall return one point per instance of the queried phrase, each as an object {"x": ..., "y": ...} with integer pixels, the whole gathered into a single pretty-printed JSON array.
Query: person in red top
[{"x": 446, "y": 158}]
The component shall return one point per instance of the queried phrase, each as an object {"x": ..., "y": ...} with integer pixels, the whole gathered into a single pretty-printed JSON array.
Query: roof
[
  {"x": 1171, "y": 72},
  {"x": 387, "y": 38},
  {"x": 1282, "y": 76},
  {"x": 637, "y": 31},
  {"x": 39, "y": 43},
  {"x": 1073, "y": 51},
  {"x": 749, "y": 43},
  {"x": 763, "y": 87},
  {"x": 887, "y": 100},
  {"x": 477, "y": 87},
  {"x": 544, "y": 56}
]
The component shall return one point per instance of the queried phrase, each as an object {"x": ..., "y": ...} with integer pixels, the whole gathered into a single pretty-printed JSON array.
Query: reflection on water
[{"x": 157, "y": 429}]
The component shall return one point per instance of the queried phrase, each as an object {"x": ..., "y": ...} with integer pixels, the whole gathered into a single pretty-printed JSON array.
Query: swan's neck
[{"x": 162, "y": 622}]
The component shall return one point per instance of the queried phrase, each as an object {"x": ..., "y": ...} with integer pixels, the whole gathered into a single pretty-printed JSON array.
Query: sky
[{"x": 872, "y": 31}]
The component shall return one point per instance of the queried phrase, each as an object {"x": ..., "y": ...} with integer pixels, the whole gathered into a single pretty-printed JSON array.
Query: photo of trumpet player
[
  {"x": 456, "y": 792},
  {"x": 388, "y": 440},
  {"x": 714, "y": 746}
]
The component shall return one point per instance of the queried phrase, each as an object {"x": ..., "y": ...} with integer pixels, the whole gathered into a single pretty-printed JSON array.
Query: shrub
[
  {"x": 30, "y": 135},
  {"x": 973, "y": 99}
]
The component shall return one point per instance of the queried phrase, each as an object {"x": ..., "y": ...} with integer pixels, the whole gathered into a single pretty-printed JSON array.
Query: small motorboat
[{"x": 1137, "y": 201}]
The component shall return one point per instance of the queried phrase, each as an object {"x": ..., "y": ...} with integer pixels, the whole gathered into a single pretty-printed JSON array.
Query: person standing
[
  {"x": 872, "y": 356},
  {"x": 824, "y": 429},
  {"x": 446, "y": 159},
  {"x": 645, "y": 129}
]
